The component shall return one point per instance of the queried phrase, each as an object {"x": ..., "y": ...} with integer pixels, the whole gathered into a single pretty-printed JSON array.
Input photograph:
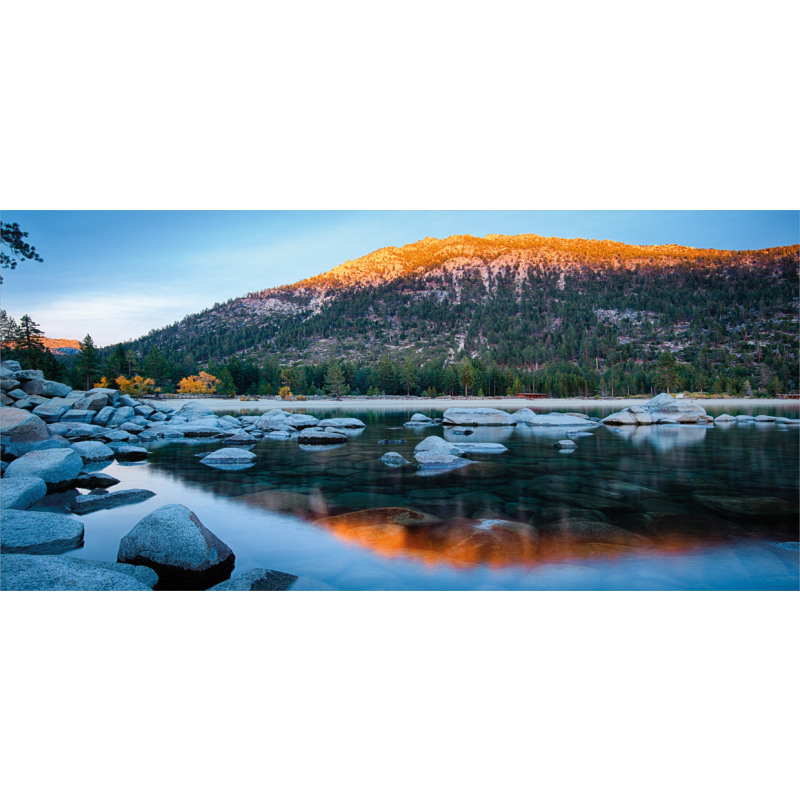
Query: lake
[{"x": 655, "y": 507}]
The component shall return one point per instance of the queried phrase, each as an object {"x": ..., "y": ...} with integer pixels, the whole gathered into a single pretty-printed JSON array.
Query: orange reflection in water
[{"x": 465, "y": 543}]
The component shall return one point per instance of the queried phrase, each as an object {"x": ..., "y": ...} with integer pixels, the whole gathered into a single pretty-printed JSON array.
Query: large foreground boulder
[
  {"x": 21, "y": 573},
  {"x": 663, "y": 408},
  {"x": 21, "y": 431},
  {"x": 58, "y": 468},
  {"x": 38, "y": 532},
  {"x": 477, "y": 416},
  {"x": 21, "y": 493},
  {"x": 172, "y": 541}
]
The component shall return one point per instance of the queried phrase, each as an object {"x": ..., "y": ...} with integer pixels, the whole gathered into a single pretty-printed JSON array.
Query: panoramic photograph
[{"x": 399, "y": 400}]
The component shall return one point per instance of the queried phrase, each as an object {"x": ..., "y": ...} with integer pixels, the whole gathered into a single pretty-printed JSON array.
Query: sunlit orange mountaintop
[
  {"x": 523, "y": 249},
  {"x": 54, "y": 345}
]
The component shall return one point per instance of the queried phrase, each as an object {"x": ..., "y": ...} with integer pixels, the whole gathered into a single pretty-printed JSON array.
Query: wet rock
[
  {"x": 175, "y": 543},
  {"x": 38, "y": 532},
  {"x": 315, "y": 435},
  {"x": 21, "y": 493},
  {"x": 565, "y": 444},
  {"x": 557, "y": 420},
  {"x": 257, "y": 580},
  {"x": 95, "y": 480},
  {"x": 341, "y": 422},
  {"x": 54, "y": 574},
  {"x": 86, "y": 503},
  {"x": 438, "y": 461},
  {"x": 438, "y": 445},
  {"x": 301, "y": 421},
  {"x": 477, "y": 416},
  {"x": 229, "y": 456},
  {"x": 418, "y": 419},
  {"x": 241, "y": 437},
  {"x": 393, "y": 459},
  {"x": 457, "y": 431},
  {"x": 482, "y": 448},
  {"x": 20, "y": 430},
  {"x": 129, "y": 452},
  {"x": 57, "y": 467},
  {"x": 92, "y": 451}
]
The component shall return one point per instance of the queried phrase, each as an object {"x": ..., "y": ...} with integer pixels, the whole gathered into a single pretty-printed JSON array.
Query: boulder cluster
[{"x": 55, "y": 438}]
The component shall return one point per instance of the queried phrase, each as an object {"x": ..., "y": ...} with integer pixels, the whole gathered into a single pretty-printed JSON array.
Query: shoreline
[{"x": 551, "y": 403}]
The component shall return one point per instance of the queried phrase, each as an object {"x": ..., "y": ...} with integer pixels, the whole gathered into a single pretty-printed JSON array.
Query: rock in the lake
[
  {"x": 787, "y": 420},
  {"x": 392, "y": 441},
  {"x": 481, "y": 448},
  {"x": 477, "y": 416},
  {"x": 557, "y": 420},
  {"x": 58, "y": 468},
  {"x": 95, "y": 480},
  {"x": 241, "y": 437},
  {"x": 129, "y": 452},
  {"x": 663, "y": 408},
  {"x": 86, "y": 503},
  {"x": 21, "y": 493},
  {"x": 524, "y": 415},
  {"x": 38, "y": 532},
  {"x": 565, "y": 444},
  {"x": 313, "y": 435},
  {"x": 229, "y": 456},
  {"x": 21, "y": 431},
  {"x": 257, "y": 580},
  {"x": 341, "y": 422},
  {"x": 437, "y": 444},
  {"x": 301, "y": 421},
  {"x": 92, "y": 451},
  {"x": 58, "y": 574},
  {"x": 436, "y": 460},
  {"x": 175, "y": 543},
  {"x": 194, "y": 409},
  {"x": 724, "y": 418},
  {"x": 393, "y": 459},
  {"x": 418, "y": 419},
  {"x": 459, "y": 431}
]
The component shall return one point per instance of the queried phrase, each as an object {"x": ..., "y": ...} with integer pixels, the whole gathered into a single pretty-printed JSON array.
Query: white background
[{"x": 417, "y": 105}]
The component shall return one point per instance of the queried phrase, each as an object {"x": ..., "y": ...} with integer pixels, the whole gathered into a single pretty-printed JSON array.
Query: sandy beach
[{"x": 509, "y": 403}]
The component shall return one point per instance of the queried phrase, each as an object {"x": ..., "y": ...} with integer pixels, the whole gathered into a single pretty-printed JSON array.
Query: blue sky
[{"x": 116, "y": 275}]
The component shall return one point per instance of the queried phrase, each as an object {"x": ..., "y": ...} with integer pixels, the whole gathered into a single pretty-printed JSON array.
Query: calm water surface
[{"x": 661, "y": 507}]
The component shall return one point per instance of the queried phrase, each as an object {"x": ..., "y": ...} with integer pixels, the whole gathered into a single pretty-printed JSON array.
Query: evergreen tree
[
  {"x": 28, "y": 347},
  {"x": 88, "y": 362},
  {"x": 666, "y": 371},
  {"x": 466, "y": 375},
  {"x": 334, "y": 380}
]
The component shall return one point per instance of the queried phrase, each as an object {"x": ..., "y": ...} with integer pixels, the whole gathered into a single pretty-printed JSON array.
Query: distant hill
[
  {"x": 61, "y": 347},
  {"x": 520, "y": 301}
]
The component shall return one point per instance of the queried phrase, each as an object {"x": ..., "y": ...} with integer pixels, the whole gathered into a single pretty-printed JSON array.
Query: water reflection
[{"x": 625, "y": 496}]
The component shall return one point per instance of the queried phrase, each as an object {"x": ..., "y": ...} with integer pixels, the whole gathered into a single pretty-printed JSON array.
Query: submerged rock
[
  {"x": 58, "y": 574},
  {"x": 393, "y": 459},
  {"x": 257, "y": 580},
  {"x": 439, "y": 461},
  {"x": 742, "y": 506},
  {"x": 565, "y": 444},
  {"x": 341, "y": 422},
  {"x": 38, "y": 532},
  {"x": 175, "y": 543},
  {"x": 86, "y": 503}
]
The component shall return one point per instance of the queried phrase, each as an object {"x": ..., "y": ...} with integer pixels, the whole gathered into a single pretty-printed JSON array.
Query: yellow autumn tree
[
  {"x": 198, "y": 384},
  {"x": 103, "y": 383},
  {"x": 136, "y": 386}
]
